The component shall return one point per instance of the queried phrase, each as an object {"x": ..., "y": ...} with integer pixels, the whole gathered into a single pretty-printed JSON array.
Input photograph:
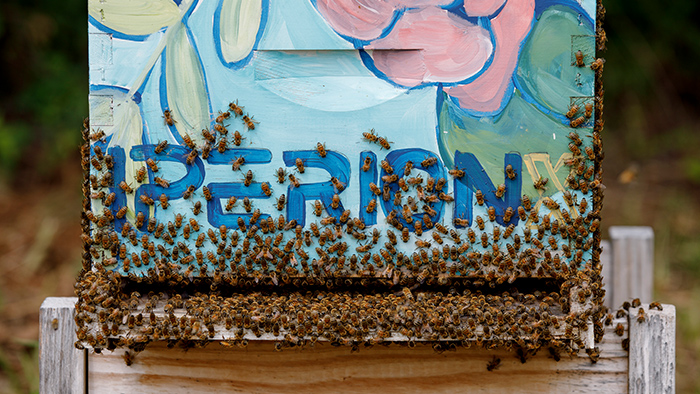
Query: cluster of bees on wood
[{"x": 459, "y": 288}]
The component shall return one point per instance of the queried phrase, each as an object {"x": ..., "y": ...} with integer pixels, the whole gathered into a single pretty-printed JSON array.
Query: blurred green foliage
[{"x": 43, "y": 84}]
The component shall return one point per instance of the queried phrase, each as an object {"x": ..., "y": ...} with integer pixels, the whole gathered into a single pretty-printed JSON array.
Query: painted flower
[{"x": 470, "y": 48}]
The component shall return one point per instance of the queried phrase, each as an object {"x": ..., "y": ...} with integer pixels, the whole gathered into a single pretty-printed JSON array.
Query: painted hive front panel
[{"x": 388, "y": 147}]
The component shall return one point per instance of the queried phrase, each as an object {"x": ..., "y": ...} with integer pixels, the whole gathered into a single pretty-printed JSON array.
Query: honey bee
[
  {"x": 480, "y": 222},
  {"x": 188, "y": 141},
  {"x": 620, "y": 329},
  {"x": 237, "y": 138},
  {"x": 579, "y": 59},
  {"x": 597, "y": 64},
  {"x": 197, "y": 209},
  {"x": 139, "y": 219},
  {"x": 386, "y": 167},
  {"x": 222, "y": 116},
  {"x": 249, "y": 122},
  {"x": 152, "y": 164},
  {"x": 318, "y": 208},
  {"x": 188, "y": 192},
  {"x": 265, "y": 187},
  {"x": 109, "y": 162},
  {"x": 340, "y": 186},
  {"x": 573, "y": 109},
  {"x": 236, "y": 164},
  {"x": 208, "y": 135},
  {"x": 162, "y": 182},
  {"x": 247, "y": 205},
  {"x": 248, "y": 178},
  {"x": 415, "y": 180},
  {"x": 371, "y": 206},
  {"x": 161, "y": 146},
  {"x": 457, "y": 173},
  {"x": 168, "y": 118},
  {"x": 163, "y": 201},
  {"x": 335, "y": 202},
  {"x": 221, "y": 146},
  {"x": 656, "y": 305},
  {"x": 460, "y": 222},
  {"x": 423, "y": 244},
  {"x": 445, "y": 197},
  {"x": 281, "y": 174},
  {"x": 321, "y": 149},
  {"x": 98, "y": 152},
  {"x": 510, "y": 172},
  {"x": 384, "y": 143},
  {"x": 96, "y": 164},
  {"x": 97, "y": 135},
  {"x": 194, "y": 224},
  {"x": 588, "y": 110},
  {"x": 577, "y": 122},
  {"x": 390, "y": 178},
  {"x": 237, "y": 110},
  {"x": 429, "y": 161},
  {"x": 207, "y": 193},
  {"x": 294, "y": 181},
  {"x": 146, "y": 199},
  {"x": 280, "y": 201},
  {"x": 300, "y": 165},
  {"x": 374, "y": 189},
  {"x": 641, "y": 316},
  {"x": 493, "y": 364},
  {"x": 590, "y": 153},
  {"x": 206, "y": 151},
  {"x": 507, "y": 214},
  {"x": 367, "y": 164},
  {"x": 500, "y": 190},
  {"x": 540, "y": 183}
]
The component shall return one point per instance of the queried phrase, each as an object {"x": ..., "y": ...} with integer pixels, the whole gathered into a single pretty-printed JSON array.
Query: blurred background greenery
[{"x": 652, "y": 164}]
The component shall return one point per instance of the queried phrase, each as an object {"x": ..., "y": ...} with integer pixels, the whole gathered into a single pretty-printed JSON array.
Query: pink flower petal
[
  {"x": 437, "y": 47},
  {"x": 482, "y": 7},
  {"x": 510, "y": 28},
  {"x": 363, "y": 19}
]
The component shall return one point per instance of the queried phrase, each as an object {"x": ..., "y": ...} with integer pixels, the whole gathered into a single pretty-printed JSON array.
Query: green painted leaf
[
  {"x": 186, "y": 89},
  {"x": 239, "y": 24},
  {"x": 134, "y": 17}
]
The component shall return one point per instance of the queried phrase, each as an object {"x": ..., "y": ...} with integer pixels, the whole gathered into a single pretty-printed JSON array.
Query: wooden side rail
[{"x": 649, "y": 366}]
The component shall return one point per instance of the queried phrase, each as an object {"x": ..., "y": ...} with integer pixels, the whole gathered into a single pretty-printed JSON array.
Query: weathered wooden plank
[
  {"x": 652, "y": 365},
  {"x": 61, "y": 365},
  {"x": 323, "y": 368},
  {"x": 632, "y": 264}
]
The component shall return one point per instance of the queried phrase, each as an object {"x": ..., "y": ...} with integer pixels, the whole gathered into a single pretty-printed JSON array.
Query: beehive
[{"x": 316, "y": 170}]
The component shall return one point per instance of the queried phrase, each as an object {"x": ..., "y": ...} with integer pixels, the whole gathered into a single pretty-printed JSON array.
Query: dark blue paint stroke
[
  {"x": 398, "y": 159},
  {"x": 463, "y": 203},
  {"x": 477, "y": 179},
  {"x": 366, "y": 195},
  {"x": 217, "y": 35},
  {"x": 335, "y": 164},
  {"x": 173, "y": 153},
  {"x": 253, "y": 156},
  {"x": 215, "y": 211}
]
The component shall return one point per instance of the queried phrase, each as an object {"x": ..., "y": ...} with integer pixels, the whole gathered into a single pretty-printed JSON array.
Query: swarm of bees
[{"x": 338, "y": 279}]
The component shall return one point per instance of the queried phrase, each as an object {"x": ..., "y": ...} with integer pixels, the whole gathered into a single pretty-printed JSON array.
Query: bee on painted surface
[
  {"x": 299, "y": 163},
  {"x": 222, "y": 116},
  {"x": 237, "y": 163},
  {"x": 457, "y": 173},
  {"x": 208, "y": 135},
  {"x": 340, "y": 186},
  {"x": 429, "y": 161},
  {"x": 280, "y": 201},
  {"x": 206, "y": 150},
  {"x": 540, "y": 183},
  {"x": 168, "y": 118},
  {"x": 237, "y": 110},
  {"x": 125, "y": 187},
  {"x": 573, "y": 109},
  {"x": 265, "y": 187},
  {"x": 164, "y": 201},
  {"x": 249, "y": 122},
  {"x": 197, "y": 209},
  {"x": 321, "y": 149},
  {"x": 248, "y": 180},
  {"x": 588, "y": 112},
  {"x": 281, "y": 174},
  {"x": 188, "y": 141},
  {"x": 371, "y": 206},
  {"x": 384, "y": 143},
  {"x": 579, "y": 59},
  {"x": 161, "y": 182},
  {"x": 294, "y": 181},
  {"x": 191, "y": 157},
  {"x": 188, "y": 192},
  {"x": 237, "y": 138},
  {"x": 367, "y": 164},
  {"x": 510, "y": 172},
  {"x": 146, "y": 199},
  {"x": 161, "y": 146},
  {"x": 317, "y": 207},
  {"x": 386, "y": 167},
  {"x": 152, "y": 164},
  {"x": 221, "y": 146},
  {"x": 247, "y": 204},
  {"x": 577, "y": 122}
]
